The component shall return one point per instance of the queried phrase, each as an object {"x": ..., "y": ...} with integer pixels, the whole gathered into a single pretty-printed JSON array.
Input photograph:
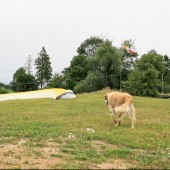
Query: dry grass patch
[{"x": 22, "y": 156}]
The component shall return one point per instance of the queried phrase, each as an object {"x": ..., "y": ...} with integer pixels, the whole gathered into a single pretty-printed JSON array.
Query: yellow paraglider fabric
[{"x": 55, "y": 93}]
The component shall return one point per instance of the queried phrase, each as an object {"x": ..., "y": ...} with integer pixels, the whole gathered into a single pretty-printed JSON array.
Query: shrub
[
  {"x": 94, "y": 81},
  {"x": 5, "y": 91}
]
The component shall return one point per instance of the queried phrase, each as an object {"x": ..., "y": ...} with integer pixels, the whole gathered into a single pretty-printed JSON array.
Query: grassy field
[{"x": 78, "y": 133}]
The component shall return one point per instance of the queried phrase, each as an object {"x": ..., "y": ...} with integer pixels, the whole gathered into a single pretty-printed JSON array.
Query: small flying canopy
[{"x": 131, "y": 51}]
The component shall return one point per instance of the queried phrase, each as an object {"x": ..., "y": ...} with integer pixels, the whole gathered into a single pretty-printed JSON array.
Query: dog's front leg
[
  {"x": 112, "y": 115},
  {"x": 119, "y": 119}
]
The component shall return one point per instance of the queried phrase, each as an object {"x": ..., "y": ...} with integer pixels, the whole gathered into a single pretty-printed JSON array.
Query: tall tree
[
  {"x": 28, "y": 65},
  {"x": 109, "y": 59},
  {"x": 76, "y": 72},
  {"x": 165, "y": 86},
  {"x": 89, "y": 46},
  {"x": 43, "y": 67},
  {"x": 146, "y": 76}
]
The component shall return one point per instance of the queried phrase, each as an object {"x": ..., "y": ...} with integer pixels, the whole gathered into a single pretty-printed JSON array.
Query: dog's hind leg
[{"x": 112, "y": 115}]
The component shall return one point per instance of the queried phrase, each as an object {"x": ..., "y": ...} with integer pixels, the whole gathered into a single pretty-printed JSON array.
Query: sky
[{"x": 62, "y": 25}]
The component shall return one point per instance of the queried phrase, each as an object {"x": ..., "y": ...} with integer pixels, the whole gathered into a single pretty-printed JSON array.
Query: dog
[{"x": 120, "y": 104}]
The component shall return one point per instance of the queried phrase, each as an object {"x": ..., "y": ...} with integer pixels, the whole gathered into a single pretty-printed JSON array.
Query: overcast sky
[{"x": 62, "y": 25}]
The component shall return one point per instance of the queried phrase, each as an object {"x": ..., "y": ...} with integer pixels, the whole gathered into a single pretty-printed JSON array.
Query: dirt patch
[
  {"x": 110, "y": 164},
  {"x": 113, "y": 164},
  {"x": 46, "y": 154},
  {"x": 20, "y": 156},
  {"x": 99, "y": 145}
]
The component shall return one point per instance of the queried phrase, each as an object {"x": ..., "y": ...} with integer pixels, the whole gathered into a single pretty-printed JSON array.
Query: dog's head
[{"x": 105, "y": 98}]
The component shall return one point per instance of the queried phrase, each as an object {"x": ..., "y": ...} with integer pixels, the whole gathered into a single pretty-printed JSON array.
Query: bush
[
  {"x": 5, "y": 91},
  {"x": 166, "y": 88},
  {"x": 94, "y": 81}
]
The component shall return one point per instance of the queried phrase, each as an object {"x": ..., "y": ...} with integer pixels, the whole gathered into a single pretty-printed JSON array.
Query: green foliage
[
  {"x": 151, "y": 60},
  {"x": 57, "y": 81},
  {"x": 6, "y": 86},
  {"x": 166, "y": 62},
  {"x": 146, "y": 76},
  {"x": 5, "y": 91},
  {"x": 76, "y": 72},
  {"x": 23, "y": 81},
  {"x": 109, "y": 59},
  {"x": 98, "y": 55},
  {"x": 89, "y": 46},
  {"x": 166, "y": 75},
  {"x": 142, "y": 83},
  {"x": 95, "y": 54},
  {"x": 94, "y": 81},
  {"x": 43, "y": 67},
  {"x": 93, "y": 64}
]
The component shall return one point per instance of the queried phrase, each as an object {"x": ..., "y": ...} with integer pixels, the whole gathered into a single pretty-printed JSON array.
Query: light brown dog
[{"x": 120, "y": 104}]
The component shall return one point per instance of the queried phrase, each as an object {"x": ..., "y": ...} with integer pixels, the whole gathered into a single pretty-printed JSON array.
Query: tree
[
  {"x": 166, "y": 75},
  {"x": 57, "y": 81},
  {"x": 142, "y": 83},
  {"x": 76, "y": 72},
  {"x": 94, "y": 81},
  {"x": 128, "y": 59},
  {"x": 43, "y": 67},
  {"x": 23, "y": 81},
  {"x": 109, "y": 59},
  {"x": 4, "y": 85},
  {"x": 146, "y": 76},
  {"x": 5, "y": 88},
  {"x": 151, "y": 60},
  {"x": 88, "y": 47},
  {"x": 28, "y": 65}
]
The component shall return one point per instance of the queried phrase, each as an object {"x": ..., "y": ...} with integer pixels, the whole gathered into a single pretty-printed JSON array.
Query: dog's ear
[{"x": 105, "y": 98}]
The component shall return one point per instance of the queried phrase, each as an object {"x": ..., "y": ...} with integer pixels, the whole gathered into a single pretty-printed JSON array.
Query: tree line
[
  {"x": 24, "y": 80},
  {"x": 99, "y": 64}
]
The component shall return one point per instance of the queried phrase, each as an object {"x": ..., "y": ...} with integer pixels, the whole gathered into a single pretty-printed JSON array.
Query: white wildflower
[
  {"x": 71, "y": 135},
  {"x": 61, "y": 137},
  {"x": 90, "y": 130}
]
